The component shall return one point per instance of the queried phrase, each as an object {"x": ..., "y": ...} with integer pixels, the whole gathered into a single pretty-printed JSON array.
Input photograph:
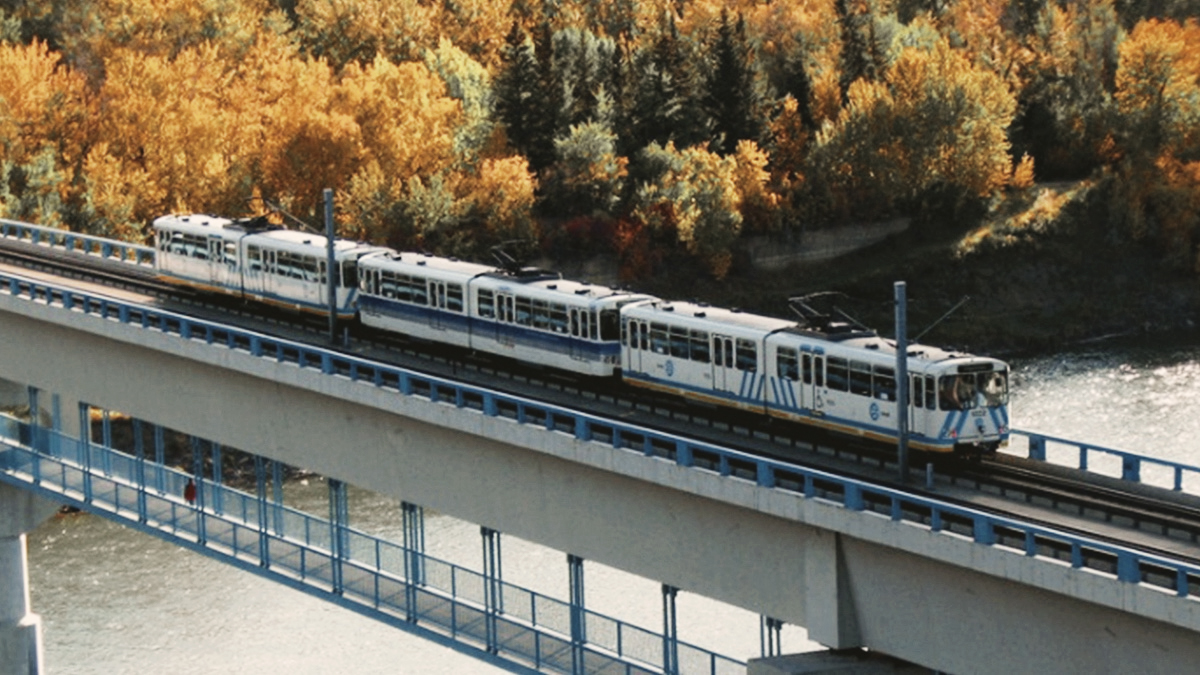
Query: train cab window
[
  {"x": 698, "y": 346},
  {"x": 787, "y": 366},
  {"x": 486, "y": 302},
  {"x": 747, "y": 355},
  {"x": 883, "y": 384},
  {"x": 837, "y": 374}
]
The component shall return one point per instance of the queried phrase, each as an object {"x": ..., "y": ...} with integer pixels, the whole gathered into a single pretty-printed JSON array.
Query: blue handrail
[
  {"x": 1131, "y": 464},
  {"x": 986, "y": 529},
  {"x": 74, "y": 242},
  {"x": 301, "y": 547}
]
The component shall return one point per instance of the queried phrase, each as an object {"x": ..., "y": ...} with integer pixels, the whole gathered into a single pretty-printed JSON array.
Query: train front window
[{"x": 965, "y": 391}]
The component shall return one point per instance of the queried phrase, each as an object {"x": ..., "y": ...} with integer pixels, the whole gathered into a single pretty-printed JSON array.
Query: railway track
[{"x": 1090, "y": 505}]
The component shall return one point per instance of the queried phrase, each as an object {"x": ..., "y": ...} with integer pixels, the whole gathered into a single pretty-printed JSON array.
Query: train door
[
  {"x": 637, "y": 338},
  {"x": 725, "y": 375},
  {"x": 437, "y": 302},
  {"x": 580, "y": 320},
  {"x": 506, "y": 314},
  {"x": 216, "y": 261},
  {"x": 812, "y": 373},
  {"x": 922, "y": 401}
]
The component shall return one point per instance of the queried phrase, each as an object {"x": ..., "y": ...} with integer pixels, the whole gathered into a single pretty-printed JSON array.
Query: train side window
[
  {"x": 699, "y": 346},
  {"x": 350, "y": 274},
  {"x": 884, "y": 383},
  {"x": 806, "y": 367},
  {"x": 837, "y": 374},
  {"x": 786, "y": 365},
  {"x": 819, "y": 370},
  {"x": 644, "y": 336},
  {"x": 918, "y": 392},
  {"x": 930, "y": 393},
  {"x": 524, "y": 316},
  {"x": 486, "y": 302},
  {"x": 659, "y": 342},
  {"x": 679, "y": 342},
  {"x": 747, "y": 355},
  {"x": 454, "y": 297},
  {"x": 860, "y": 378},
  {"x": 558, "y": 318},
  {"x": 254, "y": 258},
  {"x": 231, "y": 253}
]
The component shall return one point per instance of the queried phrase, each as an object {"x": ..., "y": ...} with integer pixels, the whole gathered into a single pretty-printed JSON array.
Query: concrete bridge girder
[{"x": 854, "y": 579}]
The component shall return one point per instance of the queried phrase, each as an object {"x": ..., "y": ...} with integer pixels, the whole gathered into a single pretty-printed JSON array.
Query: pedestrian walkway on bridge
[{"x": 474, "y": 612}]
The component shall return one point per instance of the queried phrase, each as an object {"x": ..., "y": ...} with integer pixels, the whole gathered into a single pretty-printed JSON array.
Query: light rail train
[{"x": 821, "y": 374}]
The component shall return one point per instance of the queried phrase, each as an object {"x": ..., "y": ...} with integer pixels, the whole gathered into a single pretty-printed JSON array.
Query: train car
[
  {"x": 255, "y": 260},
  {"x": 846, "y": 381},
  {"x": 528, "y": 315},
  {"x": 708, "y": 354},
  {"x": 842, "y": 380},
  {"x": 416, "y": 294}
]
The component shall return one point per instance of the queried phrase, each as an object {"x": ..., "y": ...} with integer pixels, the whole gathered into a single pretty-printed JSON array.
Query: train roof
[
  {"x": 701, "y": 315},
  {"x": 400, "y": 260},
  {"x": 292, "y": 240},
  {"x": 205, "y": 224}
]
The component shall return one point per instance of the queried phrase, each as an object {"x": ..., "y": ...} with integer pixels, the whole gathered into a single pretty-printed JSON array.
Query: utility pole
[
  {"x": 332, "y": 278},
  {"x": 902, "y": 379}
]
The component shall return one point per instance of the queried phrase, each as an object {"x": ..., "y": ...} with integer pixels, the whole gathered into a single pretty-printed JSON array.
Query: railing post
[
  {"x": 338, "y": 517},
  {"x": 85, "y": 449},
  {"x": 139, "y": 452},
  {"x": 198, "y": 477},
  {"x": 491, "y": 585},
  {"x": 414, "y": 557},
  {"x": 578, "y": 617},
  {"x": 770, "y": 636},
  {"x": 1037, "y": 447},
  {"x": 277, "y": 495},
  {"x": 670, "y": 631},
  {"x": 264, "y": 543},
  {"x": 1131, "y": 468}
]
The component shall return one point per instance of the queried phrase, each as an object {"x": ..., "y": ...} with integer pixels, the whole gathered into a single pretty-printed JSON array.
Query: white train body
[
  {"x": 842, "y": 381},
  {"x": 532, "y": 316},
  {"x": 243, "y": 258}
]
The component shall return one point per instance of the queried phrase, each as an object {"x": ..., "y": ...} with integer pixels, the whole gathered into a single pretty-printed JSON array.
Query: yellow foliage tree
[
  {"x": 501, "y": 195},
  {"x": 42, "y": 102}
]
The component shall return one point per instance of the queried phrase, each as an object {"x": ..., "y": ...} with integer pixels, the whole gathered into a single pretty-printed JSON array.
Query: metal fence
[
  {"x": 371, "y": 573},
  {"x": 73, "y": 242}
]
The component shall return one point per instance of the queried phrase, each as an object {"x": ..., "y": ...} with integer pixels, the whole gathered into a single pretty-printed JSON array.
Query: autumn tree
[
  {"x": 735, "y": 97},
  {"x": 588, "y": 175},
  {"x": 935, "y": 118},
  {"x": 694, "y": 193}
]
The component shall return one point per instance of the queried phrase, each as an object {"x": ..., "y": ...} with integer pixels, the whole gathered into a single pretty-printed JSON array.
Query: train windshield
[{"x": 973, "y": 390}]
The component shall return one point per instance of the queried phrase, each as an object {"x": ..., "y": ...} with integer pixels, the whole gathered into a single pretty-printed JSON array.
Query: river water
[{"x": 116, "y": 601}]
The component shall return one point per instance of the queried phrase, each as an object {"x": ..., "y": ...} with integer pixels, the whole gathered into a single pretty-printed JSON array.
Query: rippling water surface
[{"x": 115, "y": 601}]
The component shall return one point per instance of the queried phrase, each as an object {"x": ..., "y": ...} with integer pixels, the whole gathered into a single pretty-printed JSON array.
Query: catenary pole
[
  {"x": 902, "y": 379},
  {"x": 332, "y": 278}
]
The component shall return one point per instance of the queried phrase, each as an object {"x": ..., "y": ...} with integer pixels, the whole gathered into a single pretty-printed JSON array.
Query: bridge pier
[{"x": 21, "y": 651}]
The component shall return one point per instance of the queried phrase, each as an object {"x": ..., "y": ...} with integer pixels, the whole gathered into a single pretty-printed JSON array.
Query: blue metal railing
[
  {"x": 1125, "y": 465},
  {"x": 528, "y": 627},
  {"x": 1124, "y": 564},
  {"x": 73, "y": 242}
]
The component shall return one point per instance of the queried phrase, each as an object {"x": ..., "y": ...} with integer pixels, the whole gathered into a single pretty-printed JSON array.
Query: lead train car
[
  {"x": 527, "y": 315},
  {"x": 840, "y": 380},
  {"x": 252, "y": 259}
]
